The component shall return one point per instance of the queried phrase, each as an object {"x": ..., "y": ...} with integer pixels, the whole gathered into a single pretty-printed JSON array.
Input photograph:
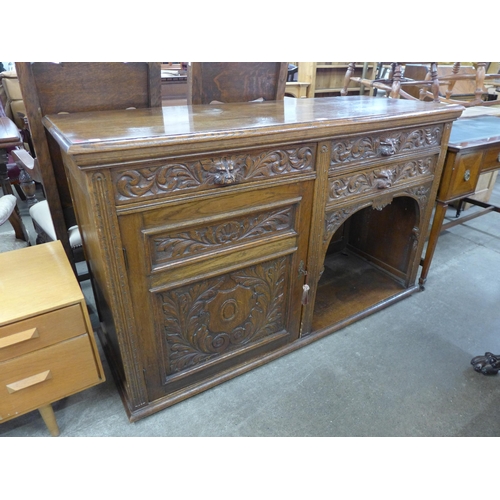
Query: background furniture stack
[{"x": 326, "y": 79}]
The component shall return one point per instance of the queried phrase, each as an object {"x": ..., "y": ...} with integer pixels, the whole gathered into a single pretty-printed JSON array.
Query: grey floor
[{"x": 404, "y": 371}]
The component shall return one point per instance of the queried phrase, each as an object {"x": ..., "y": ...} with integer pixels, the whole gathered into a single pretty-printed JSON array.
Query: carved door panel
[{"x": 222, "y": 281}]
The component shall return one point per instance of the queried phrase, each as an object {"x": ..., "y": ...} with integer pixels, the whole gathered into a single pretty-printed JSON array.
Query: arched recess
[{"x": 369, "y": 254}]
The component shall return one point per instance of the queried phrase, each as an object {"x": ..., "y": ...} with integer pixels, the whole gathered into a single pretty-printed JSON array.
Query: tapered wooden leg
[
  {"x": 433, "y": 237},
  {"x": 49, "y": 418}
]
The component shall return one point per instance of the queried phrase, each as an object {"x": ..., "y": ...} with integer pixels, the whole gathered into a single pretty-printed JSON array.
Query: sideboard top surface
[{"x": 290, "y": 119}]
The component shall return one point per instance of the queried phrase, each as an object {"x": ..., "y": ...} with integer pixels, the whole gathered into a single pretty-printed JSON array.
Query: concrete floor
[{"x": 404, "y": 371}]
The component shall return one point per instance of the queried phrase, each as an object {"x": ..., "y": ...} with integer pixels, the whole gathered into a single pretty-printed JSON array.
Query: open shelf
[
  {"x": 349, "y": 285},
  {"x": 367, "y": 264}
]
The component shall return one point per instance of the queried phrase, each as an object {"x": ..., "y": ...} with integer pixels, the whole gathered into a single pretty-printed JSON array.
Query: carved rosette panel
[
  {"x": 381, "y": 178},
  {"x": 199, "y": 240},
  {"x": 383, "y": 145},
  {"x": 202, "y": 321},
  {"x": 174, "y": 176}
]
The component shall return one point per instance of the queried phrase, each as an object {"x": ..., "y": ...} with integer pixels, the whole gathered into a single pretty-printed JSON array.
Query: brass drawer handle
[
  {"x": 16, "y": 338},
  {"x": 466, "y": 175},
  {"x": 29, "y": 381}
]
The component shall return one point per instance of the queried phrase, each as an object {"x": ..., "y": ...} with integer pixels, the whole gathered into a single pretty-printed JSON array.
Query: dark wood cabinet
[{"x": 221, "y": 237}]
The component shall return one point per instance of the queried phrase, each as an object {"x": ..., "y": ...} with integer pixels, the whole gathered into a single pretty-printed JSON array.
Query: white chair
[
  {"x": 9, "y": 240},
  {"x": 40, "y": 214}
]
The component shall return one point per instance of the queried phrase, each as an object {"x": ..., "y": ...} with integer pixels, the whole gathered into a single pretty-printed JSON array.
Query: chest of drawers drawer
[
  {"x": 46, "y": 375},
  {"x": 41, "y": 331}
]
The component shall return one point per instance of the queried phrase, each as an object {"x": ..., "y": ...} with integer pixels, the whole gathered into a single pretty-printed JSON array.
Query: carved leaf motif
[
  {"x": 198, "y": 239},
  {"x": 186, "y": 314},
  {"x": 335, "y": 219}
]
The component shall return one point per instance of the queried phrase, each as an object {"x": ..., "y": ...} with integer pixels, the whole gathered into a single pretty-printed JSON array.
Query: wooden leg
[
  {"x": 49, "y": 418},
  {"x": 433, "y": 237},
  {"x": 19, "y": 228}
]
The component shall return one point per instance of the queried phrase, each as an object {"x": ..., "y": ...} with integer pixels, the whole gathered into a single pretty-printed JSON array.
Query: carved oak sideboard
[{"x": 221, "y": 237}]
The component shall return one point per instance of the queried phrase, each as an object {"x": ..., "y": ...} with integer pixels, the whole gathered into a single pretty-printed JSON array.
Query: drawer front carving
[
  {"x": 379, "y": 179},
  {"x": 176, "y": 176},
  {"x": 210, "y": 319},
  {"x": 383, "y": 145},
  {"x": 182, "y": 244},
  {"x": 41, "y": 377},
  {"x": 46, "y": 329}
]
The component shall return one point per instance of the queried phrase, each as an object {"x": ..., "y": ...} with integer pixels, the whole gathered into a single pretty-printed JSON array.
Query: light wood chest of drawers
[
  {"x": 47, "y": 346},
  {"x": 211, "y": 230}
]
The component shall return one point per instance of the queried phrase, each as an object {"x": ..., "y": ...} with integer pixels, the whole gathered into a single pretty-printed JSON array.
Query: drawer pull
[
  {"x": 466, "y": 175},
  {"x": 16, "y": 338},
  {"x": 498, "y": 157},
  {"x": 383, "y": 179},
  {"x": 225, "y": 174},
  {"x": 29, "y": 381},
  {"x": 387, "y": 147}
]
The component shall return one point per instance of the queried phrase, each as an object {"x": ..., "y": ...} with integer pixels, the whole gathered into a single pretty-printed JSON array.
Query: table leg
[
  {"x": 437, "y": 222},
  {"x": 49, "y": 418}
]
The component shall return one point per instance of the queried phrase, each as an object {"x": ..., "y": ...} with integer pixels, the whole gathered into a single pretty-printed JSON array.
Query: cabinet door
[{"x": 217, "y": 282}]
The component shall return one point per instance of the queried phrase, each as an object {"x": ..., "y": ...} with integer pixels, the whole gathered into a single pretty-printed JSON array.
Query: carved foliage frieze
[
  {"x": 205, "y": 320},
  {"x": 198, "y": 240},
  {"x": 384, "y": 144},
  {"x": 421, "y": 193},
  {"x": 381, "y": 178},
  {"x": 335, "y": 218},
  {"x": 174, "y": 176}
]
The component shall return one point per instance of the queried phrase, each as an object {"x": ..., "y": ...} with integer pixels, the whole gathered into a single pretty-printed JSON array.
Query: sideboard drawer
[
  {"x": 191, "y": 174},
  {"x": 374, "y": 180},
  {"x": 41, "y": 331},
  {"x": 390, "y": 144},
  {"x": 42, "y": 377},
  {"x": 491, "y": 159},
  {"x": 460, "y": 175}
]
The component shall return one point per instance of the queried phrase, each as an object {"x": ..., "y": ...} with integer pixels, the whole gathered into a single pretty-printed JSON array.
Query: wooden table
[
  {"x": 221, "y": 237},
  {"x": 47, "y": 346},
  {"x": 474, "y": 148}
]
